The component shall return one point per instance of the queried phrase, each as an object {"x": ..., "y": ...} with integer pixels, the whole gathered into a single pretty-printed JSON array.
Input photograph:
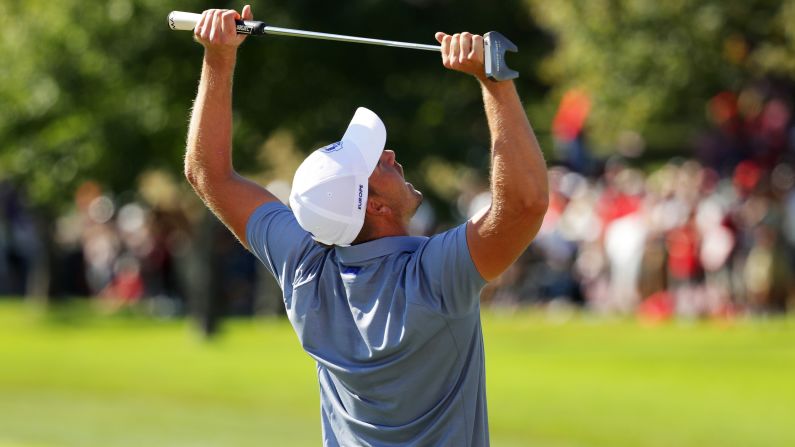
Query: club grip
[
  {"x": 183, "y": 21},
  {"x": 186, "y": 21}
]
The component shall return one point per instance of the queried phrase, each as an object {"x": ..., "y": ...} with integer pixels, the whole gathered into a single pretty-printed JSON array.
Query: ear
[{"x": 376, "y": 207}]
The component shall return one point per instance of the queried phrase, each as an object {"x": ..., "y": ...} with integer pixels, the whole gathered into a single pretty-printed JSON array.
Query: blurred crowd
[
  {"x": 708, "y": 236},
  {"x": 679, "y": 241},
  {"x": 711, "y": 235},
  {"x": 157, "y": 251}
]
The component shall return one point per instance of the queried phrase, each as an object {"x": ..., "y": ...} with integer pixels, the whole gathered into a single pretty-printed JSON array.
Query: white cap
[{"x": 329, "y": 194}]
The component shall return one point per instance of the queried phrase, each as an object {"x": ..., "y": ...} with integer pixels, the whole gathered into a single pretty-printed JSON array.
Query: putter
[{"x": 495, "y": 44}]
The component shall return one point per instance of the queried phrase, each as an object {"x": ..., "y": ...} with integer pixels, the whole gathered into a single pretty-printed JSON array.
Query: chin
[{"x": 418, "y": 197}]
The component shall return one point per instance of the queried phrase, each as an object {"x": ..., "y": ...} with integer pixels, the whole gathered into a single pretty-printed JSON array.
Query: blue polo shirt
[{"x": 394, "y": 326}]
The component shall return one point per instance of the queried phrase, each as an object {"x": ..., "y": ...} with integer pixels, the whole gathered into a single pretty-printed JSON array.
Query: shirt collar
[{"x": 377, "y": 248}]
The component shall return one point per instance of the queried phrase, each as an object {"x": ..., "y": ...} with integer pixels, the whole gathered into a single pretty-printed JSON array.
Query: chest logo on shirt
[{"x": 349, "y": 272}]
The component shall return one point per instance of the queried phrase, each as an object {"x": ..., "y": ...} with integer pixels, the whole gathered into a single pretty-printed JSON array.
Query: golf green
[{"x": 73, "y": 378}]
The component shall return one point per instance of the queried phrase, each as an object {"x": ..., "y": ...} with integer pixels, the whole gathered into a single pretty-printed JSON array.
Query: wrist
[
  {"x": 496, "y": 87},
  {"x": 482, "y": 78},
  {"x": 220, "y": 58}
]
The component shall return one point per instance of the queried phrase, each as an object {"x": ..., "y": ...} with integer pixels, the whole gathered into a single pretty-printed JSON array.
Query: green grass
[{"x": 71, "y": 378}]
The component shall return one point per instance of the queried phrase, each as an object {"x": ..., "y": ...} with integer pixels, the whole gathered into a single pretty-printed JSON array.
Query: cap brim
[{"x": 367, "y": 132}]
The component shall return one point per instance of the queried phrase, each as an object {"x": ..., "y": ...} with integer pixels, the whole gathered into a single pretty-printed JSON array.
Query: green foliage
[
  {"x": 102, "y": 91},
  {"x": 87, "y": 94},
  {"x": 651, "y": 65}
]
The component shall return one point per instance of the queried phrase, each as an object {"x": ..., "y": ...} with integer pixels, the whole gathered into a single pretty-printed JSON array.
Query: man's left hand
[
  {"x": 463, "y": 52},
  {"x": 217, "y": 31}
]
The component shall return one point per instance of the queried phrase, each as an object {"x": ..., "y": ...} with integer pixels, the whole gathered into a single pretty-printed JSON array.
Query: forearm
[
  {"x": 519, "y": 174},
  {"x": 497, "y": 236},
  {"x": 208, "y": 158},
  {"x": 209, "y": 144}
]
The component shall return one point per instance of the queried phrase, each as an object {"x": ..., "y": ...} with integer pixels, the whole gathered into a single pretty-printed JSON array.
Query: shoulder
[
  {"x": 443, "y": 276},
  {"x": 450, "y": 242},
  {"x": 270, "y": 209},
  {"x": 275, "y": 238}
]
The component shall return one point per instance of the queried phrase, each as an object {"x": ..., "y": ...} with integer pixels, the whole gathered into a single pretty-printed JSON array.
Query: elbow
[
  {"x": 534, "y": 205},
  {"x": 534, "y": 211},
  {"x": 204, "y": 178},
  {"x": 524, "y": 207},
  {"x": 531, "y": 216},
  {"x": 190, "y": 173},
  {"x": 194, "y": 176},
  {"x": 539, "y": 206}
]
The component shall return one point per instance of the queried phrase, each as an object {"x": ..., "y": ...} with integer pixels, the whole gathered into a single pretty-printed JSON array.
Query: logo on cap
[
  {"x": 361, "y": 195},
  {"x": 333, "y": 147}
]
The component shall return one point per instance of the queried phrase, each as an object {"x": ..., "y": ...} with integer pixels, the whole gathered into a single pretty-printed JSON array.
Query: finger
[
  {"x": 215, "y": 30},
  {"x": 466, "y": 46},
  {"x": 477, "y": 48},
  {"x": 247, "y": 14},
  {"x": 197, "y": 30},
  {"x": 446, "y": 41},
  {"x": 208, "y": 24},
  {"x": 455, "y": 47},
  {"x": 441, "y": 37},
  {"x": 228, "y": 26}
]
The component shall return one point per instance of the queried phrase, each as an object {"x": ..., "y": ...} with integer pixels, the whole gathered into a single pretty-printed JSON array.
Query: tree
[
  {"x": 103, "y": 91},
  {"x": 650, "y": 66}
]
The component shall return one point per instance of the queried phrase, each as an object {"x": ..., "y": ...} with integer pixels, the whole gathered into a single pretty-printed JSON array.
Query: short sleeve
[
  {"x": 449, "y": 273},
  {"x": 276, "y": 239}
]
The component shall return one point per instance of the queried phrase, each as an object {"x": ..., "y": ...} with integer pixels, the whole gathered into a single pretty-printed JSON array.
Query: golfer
[{"x": 393, "y": 321}]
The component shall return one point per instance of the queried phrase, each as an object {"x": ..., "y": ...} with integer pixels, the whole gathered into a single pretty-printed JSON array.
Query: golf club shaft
[
  {"x": 186, "y": 21},
  {"x": 325, "y": 36}
]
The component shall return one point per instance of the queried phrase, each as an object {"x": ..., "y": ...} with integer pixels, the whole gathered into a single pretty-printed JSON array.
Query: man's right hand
[
  {"x": 217, "y": 31},
  {"x": 208, "y": 157},
  {"x": 463, "y": 52}
]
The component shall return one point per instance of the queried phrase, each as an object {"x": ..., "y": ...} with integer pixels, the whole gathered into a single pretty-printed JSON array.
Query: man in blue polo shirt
[{"x": 392, "y": 321}]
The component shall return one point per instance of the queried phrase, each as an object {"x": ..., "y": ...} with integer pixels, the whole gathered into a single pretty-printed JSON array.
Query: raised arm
[
  {"x": 519, "y": 186},
  {"x": 208, "y": 158}
]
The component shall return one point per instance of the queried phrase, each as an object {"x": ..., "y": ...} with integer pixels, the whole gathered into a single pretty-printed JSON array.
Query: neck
[{"x": 372, "y": 230}]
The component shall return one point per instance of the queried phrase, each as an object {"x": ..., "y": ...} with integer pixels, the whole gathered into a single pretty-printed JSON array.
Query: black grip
[{"x": 251, "y": 27}]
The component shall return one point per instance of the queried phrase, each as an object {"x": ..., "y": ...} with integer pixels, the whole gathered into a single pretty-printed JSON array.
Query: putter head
[{"x": 495, "y": 45}]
